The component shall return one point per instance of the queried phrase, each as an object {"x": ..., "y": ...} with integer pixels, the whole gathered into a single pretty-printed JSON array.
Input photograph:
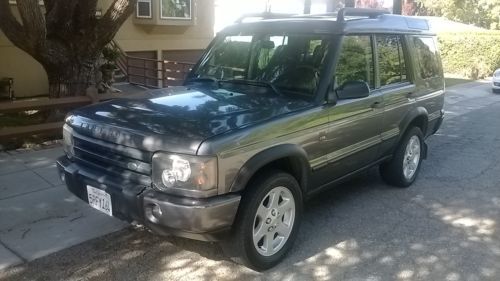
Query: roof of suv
[{"x": 347, "y": 20}]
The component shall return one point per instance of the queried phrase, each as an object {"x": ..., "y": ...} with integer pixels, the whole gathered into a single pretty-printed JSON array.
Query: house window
[
  {"x": 175, "y": 9},
  {"x": 144, "y": 9}
]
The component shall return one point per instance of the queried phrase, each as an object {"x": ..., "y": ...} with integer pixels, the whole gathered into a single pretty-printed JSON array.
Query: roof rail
[
  {"x": 341, "y": 14},
  {"x": 265, "y": 15},
  {"x": 330, "y": 14},
  {"x": 359, "y": 12}
]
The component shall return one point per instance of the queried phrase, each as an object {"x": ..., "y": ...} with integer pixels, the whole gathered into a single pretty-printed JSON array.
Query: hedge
[{"x": 473, "y": 55}]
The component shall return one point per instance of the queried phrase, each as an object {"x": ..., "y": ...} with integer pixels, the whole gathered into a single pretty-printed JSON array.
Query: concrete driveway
[{"x": 445, "y": 227}]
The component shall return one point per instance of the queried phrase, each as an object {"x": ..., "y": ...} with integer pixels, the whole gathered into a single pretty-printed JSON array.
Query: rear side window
[
  {"x": 427, "y": 57},
  {"x": 355, "y": 61},
  {"x": 391, "y": 59}
]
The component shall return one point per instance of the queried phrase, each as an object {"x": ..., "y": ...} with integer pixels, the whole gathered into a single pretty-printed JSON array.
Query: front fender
[{"x": 291, "y": 152}]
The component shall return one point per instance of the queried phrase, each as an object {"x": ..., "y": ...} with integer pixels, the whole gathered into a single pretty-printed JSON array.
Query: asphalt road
[{"x": 445, "y": 227}]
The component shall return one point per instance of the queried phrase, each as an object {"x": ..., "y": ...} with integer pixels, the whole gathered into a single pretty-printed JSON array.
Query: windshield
[{"x": 290, "y": 63}]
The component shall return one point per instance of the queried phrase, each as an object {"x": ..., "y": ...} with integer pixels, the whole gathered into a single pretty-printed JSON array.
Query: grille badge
[{"x": 132, "y": 166}]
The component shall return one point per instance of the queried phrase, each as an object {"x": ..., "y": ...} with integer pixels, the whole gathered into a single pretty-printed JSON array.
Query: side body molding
[{"x": 294, "y": 155}]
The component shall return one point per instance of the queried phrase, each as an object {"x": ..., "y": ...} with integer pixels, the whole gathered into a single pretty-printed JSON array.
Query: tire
[
  {"x": 396, "y": 172},
  {"x": 253, "y": 219}
]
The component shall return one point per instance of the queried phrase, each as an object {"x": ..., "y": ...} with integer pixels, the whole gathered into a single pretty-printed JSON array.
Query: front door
[{"x": 353, "y": 138}]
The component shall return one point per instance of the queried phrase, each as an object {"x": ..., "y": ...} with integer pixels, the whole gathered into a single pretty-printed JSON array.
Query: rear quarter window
[{"x": 428, "y": 62}]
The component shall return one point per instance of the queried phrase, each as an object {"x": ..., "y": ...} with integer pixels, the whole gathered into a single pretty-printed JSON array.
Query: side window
[
  {"x": 268, "y": 48},
  {"x": 355, "y": 61},
  {"x": 391, "y": 59},
  {"x": 427, "y": 57}
]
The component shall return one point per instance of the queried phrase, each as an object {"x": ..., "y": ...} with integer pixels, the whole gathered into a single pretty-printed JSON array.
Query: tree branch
[
  {"x": 112, "y": 20},
  {"x": 12, "y": 28},
  {"x": 33, "y": 21}
]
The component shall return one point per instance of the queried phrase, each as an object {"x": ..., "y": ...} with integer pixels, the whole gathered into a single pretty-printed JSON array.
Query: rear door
[{"x": 395, "y": 84}]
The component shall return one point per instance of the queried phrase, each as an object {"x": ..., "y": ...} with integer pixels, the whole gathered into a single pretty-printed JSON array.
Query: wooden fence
[
  {"x": 151, "y": 73},
  {"x": 45, "y": 104}
]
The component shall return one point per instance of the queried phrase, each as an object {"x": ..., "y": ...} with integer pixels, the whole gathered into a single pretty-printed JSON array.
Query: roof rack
[
  {"x": 341, "y": 15},
  {"x": 359, "y": 12}
]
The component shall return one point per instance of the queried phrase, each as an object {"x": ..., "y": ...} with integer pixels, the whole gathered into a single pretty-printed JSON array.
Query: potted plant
[{"x": 110, "y": 56}]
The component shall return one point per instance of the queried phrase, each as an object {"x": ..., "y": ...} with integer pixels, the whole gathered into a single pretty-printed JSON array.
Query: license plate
[{"x": 100, "y": 200}]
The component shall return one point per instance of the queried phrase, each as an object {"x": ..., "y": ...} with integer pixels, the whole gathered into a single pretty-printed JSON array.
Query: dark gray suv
[{"x": 274, "y": 112}]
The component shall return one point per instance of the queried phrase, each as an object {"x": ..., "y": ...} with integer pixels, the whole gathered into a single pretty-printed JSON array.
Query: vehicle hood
[{"x": 177, "y": 119}]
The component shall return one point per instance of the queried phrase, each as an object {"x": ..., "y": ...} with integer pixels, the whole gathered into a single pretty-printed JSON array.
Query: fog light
[
  {"x": 153, "y": 212},
  {"x": 156, "y": 210}
]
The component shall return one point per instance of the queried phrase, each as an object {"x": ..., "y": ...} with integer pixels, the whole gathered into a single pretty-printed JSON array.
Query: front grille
[
  {"x": 130, "y": 164},
  {"x": 496, "y": 83}
]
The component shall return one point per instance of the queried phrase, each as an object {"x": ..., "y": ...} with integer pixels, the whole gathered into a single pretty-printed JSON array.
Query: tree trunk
[
  {"x": 397, "y": 7},
  {"x": 65, "y": 36},
  {"x": 69, "y": 80},
  {"x": 307, "y": 7},
  {"x": 332, "y": 5}
]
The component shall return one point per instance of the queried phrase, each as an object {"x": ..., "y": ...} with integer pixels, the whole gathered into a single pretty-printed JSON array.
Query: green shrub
[{"x": 473, "y": 55}]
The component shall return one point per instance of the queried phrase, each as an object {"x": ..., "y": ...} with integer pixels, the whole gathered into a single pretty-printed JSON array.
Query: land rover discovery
[{"x": 275, "y": 111}]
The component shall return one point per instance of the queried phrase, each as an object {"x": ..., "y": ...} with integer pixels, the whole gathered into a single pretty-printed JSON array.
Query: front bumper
[{"x": 206, "y": 219}]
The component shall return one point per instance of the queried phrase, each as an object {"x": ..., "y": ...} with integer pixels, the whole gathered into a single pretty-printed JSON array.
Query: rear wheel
[
  {"x": 267, "y": 221},
  {"x": 404, "y": 167}
]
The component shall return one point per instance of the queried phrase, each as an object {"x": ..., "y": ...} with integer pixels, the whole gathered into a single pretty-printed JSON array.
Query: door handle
[{"x": 376, "y": 104}]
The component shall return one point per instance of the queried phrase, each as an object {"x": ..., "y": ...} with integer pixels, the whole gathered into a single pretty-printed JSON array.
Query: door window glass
[
  {"x": 391, "y": 60},
  {"x": 355, "y": 61}
]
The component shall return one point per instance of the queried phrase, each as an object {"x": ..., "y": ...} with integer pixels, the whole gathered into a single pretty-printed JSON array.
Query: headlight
[
  {"x": 68, "y": 141},
  {"x": 184, "y": 174}
]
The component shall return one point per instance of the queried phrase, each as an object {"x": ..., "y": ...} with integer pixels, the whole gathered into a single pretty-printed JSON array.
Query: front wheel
[
  {"x": 267, "y": 221},
  {"x": 404, "y": 167}
]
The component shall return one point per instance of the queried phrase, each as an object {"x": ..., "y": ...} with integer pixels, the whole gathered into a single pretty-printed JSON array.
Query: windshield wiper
[
  {"x": 255, "y": 83},
  {"x": 203, "y": 79}
]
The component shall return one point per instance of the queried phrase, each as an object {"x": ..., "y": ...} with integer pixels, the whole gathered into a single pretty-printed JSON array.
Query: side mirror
[{"x": 353, "y": 90}]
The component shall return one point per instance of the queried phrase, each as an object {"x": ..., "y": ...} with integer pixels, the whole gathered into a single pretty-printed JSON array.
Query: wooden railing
[
  {"x": 156, "y": 73},
  {"x": 45, "y": 104},
  {"x": 175, "y": 72},
  {"x": 121, "y": 62},
  {"x": 152, "y": 73}
]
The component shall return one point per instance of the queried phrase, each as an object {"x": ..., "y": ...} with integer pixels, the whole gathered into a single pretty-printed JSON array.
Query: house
[{"x": 174, "y": 30}]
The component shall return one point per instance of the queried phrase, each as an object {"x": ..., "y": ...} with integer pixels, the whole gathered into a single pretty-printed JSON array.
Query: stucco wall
[{"x": 30, "y": 78}]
